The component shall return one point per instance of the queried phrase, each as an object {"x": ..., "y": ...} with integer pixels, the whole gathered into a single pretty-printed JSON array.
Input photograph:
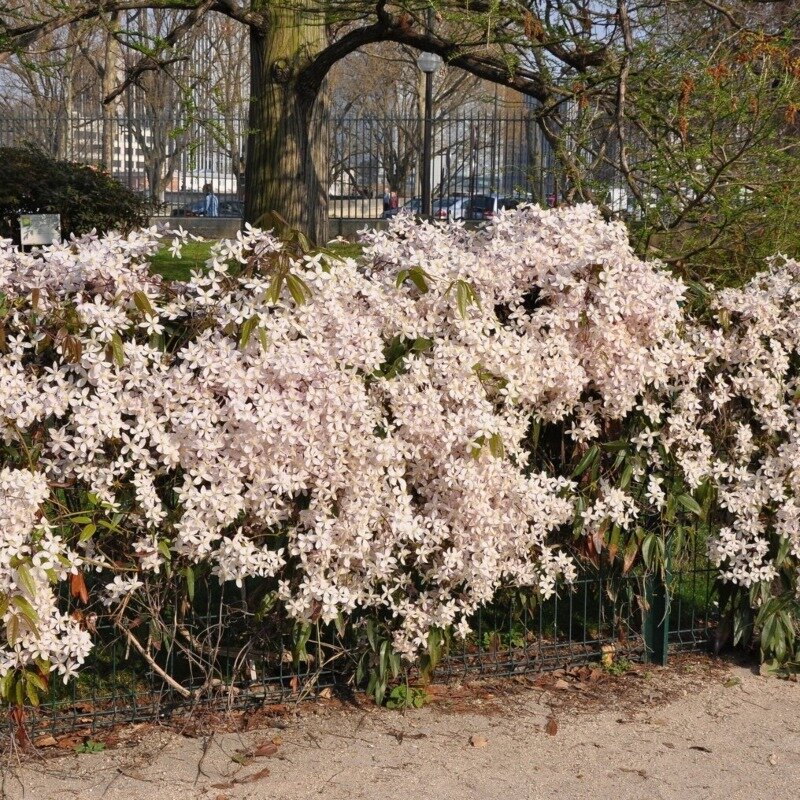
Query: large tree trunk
[
  {"x": 287, "y": 147},
  {"x": 108, "y": 83}
]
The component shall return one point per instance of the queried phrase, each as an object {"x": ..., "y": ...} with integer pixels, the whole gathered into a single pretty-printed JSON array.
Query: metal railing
[
  {"x": 374, "y": 162},
  {"x": 238, "y": 659}
]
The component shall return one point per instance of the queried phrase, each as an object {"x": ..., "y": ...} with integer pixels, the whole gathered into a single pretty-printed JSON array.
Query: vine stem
[{"x": 183, "y": 691}]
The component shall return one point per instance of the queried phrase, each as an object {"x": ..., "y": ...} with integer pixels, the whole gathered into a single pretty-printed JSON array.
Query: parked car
[
  {"x": 227, "y": 208},
  {"x": 413, "y": 206},
  {"x": 485, "y": 206},
  {"x": 449, "y": 207},
  {"x": 195, "y": 209},
  {"x": 231, "y": 208}
]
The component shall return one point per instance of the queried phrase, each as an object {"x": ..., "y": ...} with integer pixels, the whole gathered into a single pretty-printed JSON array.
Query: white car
[{"x": 449, "y": 207}]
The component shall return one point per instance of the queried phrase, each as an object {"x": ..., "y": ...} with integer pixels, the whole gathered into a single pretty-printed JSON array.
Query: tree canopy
[{"x": 692, "y": 102}]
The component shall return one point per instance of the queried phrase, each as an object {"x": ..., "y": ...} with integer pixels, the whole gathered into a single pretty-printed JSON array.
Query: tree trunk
[
  {"x": 287, "y": 147},
  {"x": 109, "y": 81}
]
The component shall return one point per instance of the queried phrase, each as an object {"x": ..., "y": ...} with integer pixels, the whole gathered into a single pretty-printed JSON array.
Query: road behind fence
[{"x": 473, "y": 155}]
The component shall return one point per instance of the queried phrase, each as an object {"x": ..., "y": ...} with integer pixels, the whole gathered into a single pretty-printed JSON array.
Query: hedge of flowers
[{"x": 366, "y": 436}]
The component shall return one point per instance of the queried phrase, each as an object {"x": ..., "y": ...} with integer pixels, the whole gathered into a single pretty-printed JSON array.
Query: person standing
[{"x": 211, "y": 207}]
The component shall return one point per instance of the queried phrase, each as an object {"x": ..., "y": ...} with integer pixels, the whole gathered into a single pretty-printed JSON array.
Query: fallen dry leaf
[
  {"x": 264, "y": 750},
  {"x": 257, "y": 776},
  {"x": 45, "y": 741},
  {"x": 478, "y": 741},
  {"x": 77, "y": 587},
  {"x": 326, "y": 693},
  {"x": 551, "y": 727},
  {"x": 69, "y": 742}
]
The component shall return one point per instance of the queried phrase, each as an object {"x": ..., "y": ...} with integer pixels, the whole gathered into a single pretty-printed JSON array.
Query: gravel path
[{"x": 697, "y": 730}]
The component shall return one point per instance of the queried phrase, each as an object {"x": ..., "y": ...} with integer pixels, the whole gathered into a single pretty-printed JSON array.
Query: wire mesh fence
[
  {"x": 225, "y": 656},
  {"x": 480, "y": 162}
]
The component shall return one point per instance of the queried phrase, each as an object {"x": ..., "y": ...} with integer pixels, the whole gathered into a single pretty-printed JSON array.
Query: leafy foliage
[
  {"x": 368, "y": 454},
  {"x": 86, "y": 198}
]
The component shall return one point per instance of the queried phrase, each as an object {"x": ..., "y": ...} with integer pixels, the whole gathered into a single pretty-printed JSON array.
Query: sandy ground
[{"x": 697, "y": 730}]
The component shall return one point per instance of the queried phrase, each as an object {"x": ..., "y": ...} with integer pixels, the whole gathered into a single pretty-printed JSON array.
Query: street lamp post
[{"x": 428, "y": 64}]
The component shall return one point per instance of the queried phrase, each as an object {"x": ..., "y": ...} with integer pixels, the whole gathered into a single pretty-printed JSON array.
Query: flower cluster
[
  {"x": 32, "y": 557},
  {"x": 357, "y": 433}
]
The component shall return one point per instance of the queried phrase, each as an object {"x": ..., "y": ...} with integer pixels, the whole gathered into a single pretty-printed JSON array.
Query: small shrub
[
  {"x": 31, "y": 181},
  {"x": 90, "y": 746},
  {"x": 402, "y": 697},
  {"x": 618, "y": 666}
]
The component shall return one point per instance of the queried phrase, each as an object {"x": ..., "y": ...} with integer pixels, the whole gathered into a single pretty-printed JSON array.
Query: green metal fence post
[{"x": 656, "y": 617}]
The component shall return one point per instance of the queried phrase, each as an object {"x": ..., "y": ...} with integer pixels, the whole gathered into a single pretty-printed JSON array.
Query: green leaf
[
  {"x": 653, "y": 550},
  {"x": 690, "y": 504},
  {"x": 163, "y": 548},
  {"x": 37, "y": 681},
  {"x": 422, "y": 345},
  {"x": 31, "y": 691},
  {"x": 12, "y": 630},
  {"x": 372, "y": 634},
  {"x": 7, "y": 685},
  {"x": 587, "y": 461},
  {"x": 361, "y": 669},
  {"x": 580, "y": 507},
  {"x": 462, "y": 298},
  {"x": 418, "y": 277},
  {"x": 394, "y": 663},
  {"x": 434, "y": 647},
  {"x": 742, "y": 625},
  {"x": 247, "y": 329},
  {"x": 189, "y": 575},
  {"x": 143, "y": 304},
  {"x": 383, "y": 659},
  {"x": 27, "y": 611},
  {"x": 380, "y": 691},
  {"x": 496, "y": 447},
  {"x": 298, "y": 289},
  {"x": 536, "y": 432},
  {"x": 768, "y": 633},
  {"x": 26, "y": 579},
  {"x": 274, "y": 291},
  {"x": 87, "y": 532},
  {"x": 616, "y": 446},
  {"x": 627, "y": 473},
  {"x": 303, "y": 241},
  {"x": 117, "y": 349},
  {"x": 302, "y": 633}
]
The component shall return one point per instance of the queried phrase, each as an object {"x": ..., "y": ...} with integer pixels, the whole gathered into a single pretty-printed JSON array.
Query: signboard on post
[{"x": 39, "y": 229}]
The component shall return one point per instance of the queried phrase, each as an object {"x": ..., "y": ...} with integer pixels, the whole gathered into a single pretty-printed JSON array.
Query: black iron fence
[
  {"x": 479, "y": 161},
  {"x": 230, "y": 654}
]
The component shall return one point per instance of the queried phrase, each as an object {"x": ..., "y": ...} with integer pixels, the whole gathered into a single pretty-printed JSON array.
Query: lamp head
[{"x": 429, "y": 62}]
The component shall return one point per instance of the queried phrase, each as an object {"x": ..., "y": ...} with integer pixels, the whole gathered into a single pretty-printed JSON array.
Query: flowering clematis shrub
[{"x": 370, "y": 438}]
